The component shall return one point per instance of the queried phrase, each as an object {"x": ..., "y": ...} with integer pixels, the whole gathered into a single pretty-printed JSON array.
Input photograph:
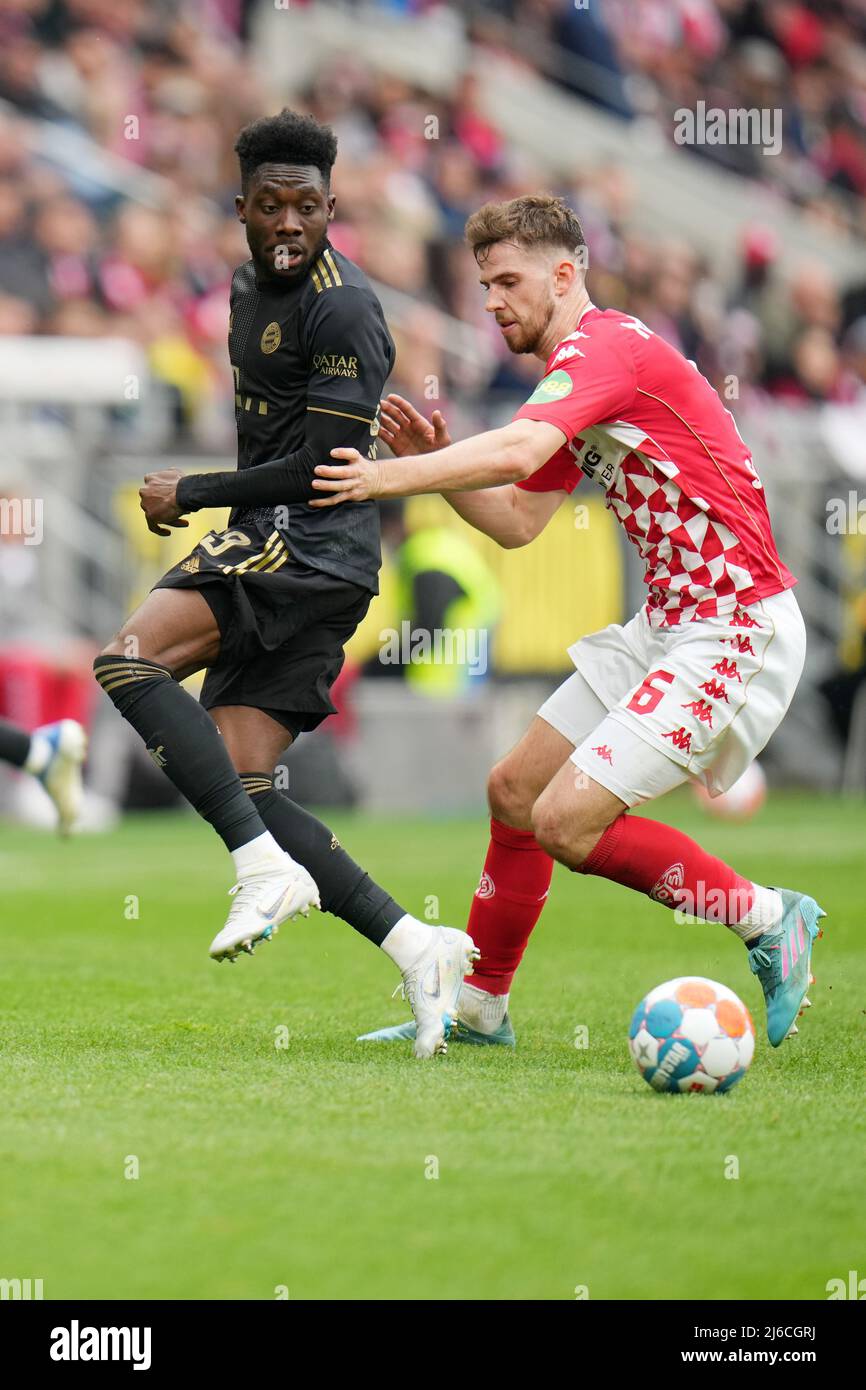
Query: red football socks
[
  {"x": 507, "y": 904},
  {"x": 666, "y": 865}
]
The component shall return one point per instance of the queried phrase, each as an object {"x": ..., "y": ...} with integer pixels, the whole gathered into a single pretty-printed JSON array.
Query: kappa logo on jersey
[
  {"x": 271, "y": 338},
  {"x": 553, "y": 388},
  {"x": 701, "y": 709},
  {"x": 566, "y": 353},
  {"x": 680, "y": 738},
  {"x": 486, "y": 887},
  {"x": 158, "y": 755},
  {"x": 604, "y": 752},
  {"x": 669, "y": 884}
]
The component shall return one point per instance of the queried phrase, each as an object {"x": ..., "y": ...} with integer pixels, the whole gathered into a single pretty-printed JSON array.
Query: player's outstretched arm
[
  {"x": 506, "y": 455},
  {"x": 509, "y": 515}
]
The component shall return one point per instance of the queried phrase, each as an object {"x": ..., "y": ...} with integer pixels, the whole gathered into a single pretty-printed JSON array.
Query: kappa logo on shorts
[
  {"x": 740, "y": 641},
  {"x": 604, "y": 752},
  {"x": 715, "y": 689},
  {"x": 680, "y": 738},
  {"x": 669, "y": 884},
  {"x": 701, "y": 709},
  {"x": 741, "y": 619},
  {"x": 486, "y": 887},
  {"x": 728, "y": 668}
]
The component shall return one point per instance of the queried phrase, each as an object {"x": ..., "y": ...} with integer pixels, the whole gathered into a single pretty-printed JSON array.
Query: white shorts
[{"x": 648, "y": 708}]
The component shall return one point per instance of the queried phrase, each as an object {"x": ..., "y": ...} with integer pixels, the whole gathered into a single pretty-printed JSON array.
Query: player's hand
[
  {"x": 406, "y": 431},
  {"x": 352, "y": 481},
  {"x": 159, "y": 501}
]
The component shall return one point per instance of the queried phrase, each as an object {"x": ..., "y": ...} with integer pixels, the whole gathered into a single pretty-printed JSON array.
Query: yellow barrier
[{"x": 566, "y": 583}]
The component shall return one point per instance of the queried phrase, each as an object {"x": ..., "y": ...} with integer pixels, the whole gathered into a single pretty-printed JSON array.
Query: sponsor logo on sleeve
[
  {"x": 552, "y": 388},
  {"x": 335, "y": 364}
]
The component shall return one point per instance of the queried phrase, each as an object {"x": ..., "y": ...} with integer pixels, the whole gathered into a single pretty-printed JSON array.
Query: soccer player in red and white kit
[{"x": 691, "y": 688}]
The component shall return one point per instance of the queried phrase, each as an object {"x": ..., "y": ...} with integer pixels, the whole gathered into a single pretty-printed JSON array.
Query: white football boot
[
  {"x": 261, "y": 902},
  {"x": 432, "y": 983},
  {"x": 65, "y": 744}
]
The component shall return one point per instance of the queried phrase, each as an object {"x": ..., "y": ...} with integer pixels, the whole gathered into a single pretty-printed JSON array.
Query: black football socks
[
  {"x": 183, "y": 740},
  {"x": 345, "y": 889},
  {"x": 14, "y": 744}
]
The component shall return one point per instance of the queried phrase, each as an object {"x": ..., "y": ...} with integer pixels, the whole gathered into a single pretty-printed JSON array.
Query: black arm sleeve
[
  {"x": 280, "y": 481},
  {"x": 350, "y": 355}
]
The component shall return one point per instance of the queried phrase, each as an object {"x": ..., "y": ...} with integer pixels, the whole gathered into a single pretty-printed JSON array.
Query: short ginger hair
[{"x": 537, "y": 219}]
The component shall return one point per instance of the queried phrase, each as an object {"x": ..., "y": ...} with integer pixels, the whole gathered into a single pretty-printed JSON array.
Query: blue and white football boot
[
  {"x": 57, "y": 752},
  {"x": 478, "y": 1006}
]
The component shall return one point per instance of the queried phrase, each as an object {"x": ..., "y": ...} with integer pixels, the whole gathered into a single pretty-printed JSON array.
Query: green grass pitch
[{"x": 305, "y": 1167}]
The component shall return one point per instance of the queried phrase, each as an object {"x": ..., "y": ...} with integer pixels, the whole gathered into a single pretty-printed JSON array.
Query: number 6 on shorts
[{"x": 647, "y": 696}]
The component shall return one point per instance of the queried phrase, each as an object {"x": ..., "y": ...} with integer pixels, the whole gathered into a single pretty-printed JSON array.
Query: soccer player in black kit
[{"x": 268, "y": 605}]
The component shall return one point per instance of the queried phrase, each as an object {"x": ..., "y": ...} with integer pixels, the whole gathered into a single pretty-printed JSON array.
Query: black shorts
[{"x": 283, "y": 625}]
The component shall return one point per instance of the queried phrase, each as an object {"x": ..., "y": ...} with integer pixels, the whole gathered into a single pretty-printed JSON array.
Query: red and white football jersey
[{"x": 648, "y": 427}]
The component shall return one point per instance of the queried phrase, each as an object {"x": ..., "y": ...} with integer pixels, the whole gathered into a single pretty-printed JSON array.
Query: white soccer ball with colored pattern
[{"x": 691, "y": 1034}]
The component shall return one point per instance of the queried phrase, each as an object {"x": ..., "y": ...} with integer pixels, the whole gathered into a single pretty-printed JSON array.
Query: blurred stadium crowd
[{"x": 166, "y": 86}]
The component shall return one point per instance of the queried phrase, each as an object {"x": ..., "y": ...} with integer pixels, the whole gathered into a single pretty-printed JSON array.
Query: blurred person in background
[{"x": 447, "y": 604}]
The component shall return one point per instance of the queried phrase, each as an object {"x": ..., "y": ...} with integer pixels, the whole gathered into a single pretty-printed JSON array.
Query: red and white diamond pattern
[{"x": 696, "y": 566}]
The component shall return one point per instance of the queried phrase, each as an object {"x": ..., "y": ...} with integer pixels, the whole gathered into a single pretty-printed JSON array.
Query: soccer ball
[
  {"x": 741, "y": 801},
  {"x": 691, "y": 1034}
]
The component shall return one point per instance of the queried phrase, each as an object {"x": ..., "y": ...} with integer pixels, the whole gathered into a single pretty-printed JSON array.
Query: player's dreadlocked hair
[
  {"x": 288, "y": 138},
  {"x": 534, "y": 220}
]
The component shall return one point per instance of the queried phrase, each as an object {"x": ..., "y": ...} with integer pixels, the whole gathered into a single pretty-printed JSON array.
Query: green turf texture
[{"x": 302, "y": 1168}]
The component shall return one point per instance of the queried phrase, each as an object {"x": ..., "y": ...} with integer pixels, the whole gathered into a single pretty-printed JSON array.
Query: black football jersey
[{"x": 318, "y": 347}]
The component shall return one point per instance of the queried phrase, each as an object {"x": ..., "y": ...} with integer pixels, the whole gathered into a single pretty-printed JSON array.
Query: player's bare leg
[{"x": 172, "y": 635}]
